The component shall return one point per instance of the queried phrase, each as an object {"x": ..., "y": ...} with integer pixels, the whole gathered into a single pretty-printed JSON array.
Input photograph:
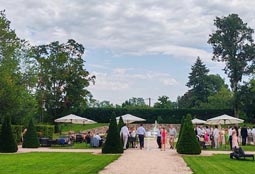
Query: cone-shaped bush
[
  {"x": 181, "y": 129},
  {"x": 121, "y": 123},
  {"x": 7, "y": 140},
  {"x": 30, "y": 137},
  {"x": 188, "y": 143},
  {"x": 113, "y": 143}
]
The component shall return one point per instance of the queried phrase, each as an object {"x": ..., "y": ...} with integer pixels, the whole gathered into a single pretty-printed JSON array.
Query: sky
[{"x": 135, "y": 48}]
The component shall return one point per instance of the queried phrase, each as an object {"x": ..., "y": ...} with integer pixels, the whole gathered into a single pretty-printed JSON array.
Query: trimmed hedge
[
  {"x": 42, "y": 130},
  {"x": 103, "y": 115},
  {"x": 7, "y": 140},
  {"x": 30, "y": 138},
  {"x": 188, "y": 143},
  {"x": 113, "y": 144}
]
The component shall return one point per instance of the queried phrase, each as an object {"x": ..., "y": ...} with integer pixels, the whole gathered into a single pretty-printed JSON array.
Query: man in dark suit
[{"x": 244, "y": 134}]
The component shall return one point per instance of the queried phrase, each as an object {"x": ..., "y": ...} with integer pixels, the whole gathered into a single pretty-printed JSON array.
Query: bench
[{"x": 238, "y": 153}]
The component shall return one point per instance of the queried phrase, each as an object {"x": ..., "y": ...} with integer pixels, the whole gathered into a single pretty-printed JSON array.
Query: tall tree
[
  {"x": 15, "y": 99},
  {"x": 164, "y": 102},
  {"x": 233, "y": 44},
  {"x": 62, "y": 78},
  {"x": 198, "y": 82}
]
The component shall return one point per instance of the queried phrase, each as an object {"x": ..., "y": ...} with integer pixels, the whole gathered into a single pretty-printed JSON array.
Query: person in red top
[{"x": 163, "y": 139}]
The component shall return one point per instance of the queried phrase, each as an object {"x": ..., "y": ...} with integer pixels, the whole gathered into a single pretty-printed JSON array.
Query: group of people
[
  {"x": 131, "y": 135},
  {"x": 162, "y": 134},
  {"x": 215, "y": 137}
]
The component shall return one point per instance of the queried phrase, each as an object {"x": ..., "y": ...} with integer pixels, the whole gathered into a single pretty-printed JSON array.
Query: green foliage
[
  {"x": 7, "y": 140},
  {"x": 164, "y": 102},
  {"x": 30, "y": 138},
  {"x": 121, "y": 123},
  {"x": 102, "y": 115},
  {"x": 181, "y": 130},
  {"x": 188, "y": 143},
  {"x": 15, "y": 99},
  {"x": 62, "y": 78},
  {"x": 135, "y": 102},
  {"x": 45, "y": 130},
  {"x": 113, "y": 142},
  {"x": 233, "y": 44}
]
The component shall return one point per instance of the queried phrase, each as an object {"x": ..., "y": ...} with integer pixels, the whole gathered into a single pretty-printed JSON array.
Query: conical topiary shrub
[
  {"x": 181, "y": 129},
  {"x": 7, "y": 140},
  {"x": 188, "y": 143},
  {"x": 121, "y": 123},
  {"x": 113, "y": 143},
  {"x": 30, "y": 137}
]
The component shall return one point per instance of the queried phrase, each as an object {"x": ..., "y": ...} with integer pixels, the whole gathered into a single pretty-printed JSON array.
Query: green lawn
[
  {"x": 80, "y": 127},
  {"x": 219, "y": 164},
  {"x": 54, "y": 163}
]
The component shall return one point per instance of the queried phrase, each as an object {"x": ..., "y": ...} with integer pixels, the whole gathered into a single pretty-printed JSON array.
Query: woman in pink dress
[
  {"x": 163, "y": 139},
  {"x": 234, "y": 139}
]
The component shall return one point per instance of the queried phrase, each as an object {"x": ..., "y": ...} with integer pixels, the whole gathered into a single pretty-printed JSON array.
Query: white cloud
[{"x": 129, "y": 29}]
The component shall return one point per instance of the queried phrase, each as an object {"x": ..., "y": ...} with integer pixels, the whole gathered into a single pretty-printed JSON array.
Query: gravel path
[{"x": 150, "y": 160}]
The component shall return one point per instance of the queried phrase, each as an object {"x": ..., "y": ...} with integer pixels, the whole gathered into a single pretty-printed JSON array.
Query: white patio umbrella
[
  {"x": 224, "y": 119},
  {"x": 198, "y": 121},
  {"x": 74, "y": 119},
  {"x": 128, "y": 118}
]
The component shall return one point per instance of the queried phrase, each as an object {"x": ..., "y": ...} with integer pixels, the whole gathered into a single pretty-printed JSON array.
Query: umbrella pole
[{"x": 225, "y": 136}]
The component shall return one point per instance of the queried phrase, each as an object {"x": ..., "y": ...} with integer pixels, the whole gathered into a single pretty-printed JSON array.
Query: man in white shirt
[
  {"x": 141, "y": 133},
  {"x": 124, "y": 133},
  {"x": 253, "y": 134}
]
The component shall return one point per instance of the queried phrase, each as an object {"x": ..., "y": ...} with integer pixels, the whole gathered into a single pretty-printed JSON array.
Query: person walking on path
[
  {"x": 172, "y": 135},
  {"x": 124, "y": 133},
  {"x": 158, "y": 134},
  {"x": 141, "y": 134},
  {"x": 163, "y": 138}
]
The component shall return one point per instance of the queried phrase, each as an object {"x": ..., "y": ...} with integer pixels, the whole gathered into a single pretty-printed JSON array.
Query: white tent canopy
[
  {"x": 128, "y": 118},
  {"x": 71, "y": 118},
  {"x": 198, "y": 121},
  {"x": 224, "y": 119}
]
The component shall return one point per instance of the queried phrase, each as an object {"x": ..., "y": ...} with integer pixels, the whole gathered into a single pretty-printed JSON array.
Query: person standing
[
  {"x": 216, "y": 136},
  {"x": 158, "y": 134},
  {"x": 124, "y": 133},
  {"x": 172, "y": 135},
  {"x": 163, "y": 139},
  {"x": 244, "y": 134},
  {"x": 230, "y": 129},
  {"x": 141, "y": 134},
  {"x": 234, "y": 139},
  {"x": 253, "y": 134}
]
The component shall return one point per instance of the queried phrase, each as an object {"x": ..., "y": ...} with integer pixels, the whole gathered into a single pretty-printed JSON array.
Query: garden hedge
[{"x": 103, "y": 115}]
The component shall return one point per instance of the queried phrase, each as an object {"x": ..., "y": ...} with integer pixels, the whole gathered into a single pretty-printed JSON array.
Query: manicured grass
[
  {"x": 79, "y": 127},
  {"x": 54, "y": 163},
  {"x": 219, "y": 164},
  {"x": 74, "y": 146},
  {"x": 227, "y": 148}
]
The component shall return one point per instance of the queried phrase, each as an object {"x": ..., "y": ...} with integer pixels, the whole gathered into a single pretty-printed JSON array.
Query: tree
[
  {"x": 113, "y": 142},
  {"x": 221, "y": 100},
  {"x": 134, "y": 102},
  {"x": 198, "y": 82},
  {"x": 232, "y": 43},
  {"x": 188, "y": 143},
  {"x": 62, "y": 78},
  {"x": 164, "y": 102},
  {"x": 15, "y": 98},
  {"x": 246, "y": 95},
  {"x": 30, "y": 137},
  {"x": 7, "y": 141}
]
